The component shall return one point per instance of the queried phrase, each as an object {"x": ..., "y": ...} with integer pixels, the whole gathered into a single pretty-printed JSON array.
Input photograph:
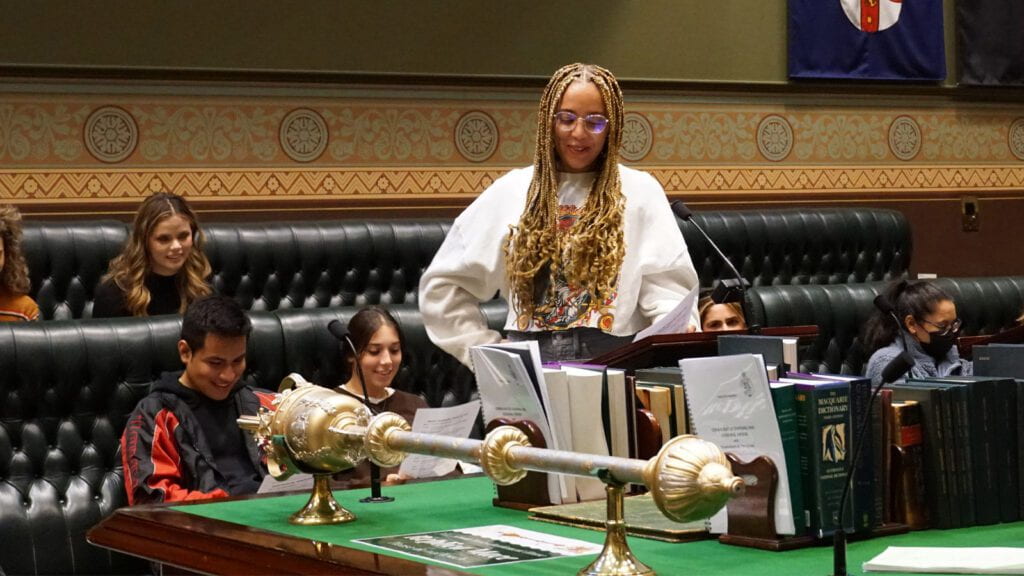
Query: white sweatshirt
[{"x": 469, "y": 268}]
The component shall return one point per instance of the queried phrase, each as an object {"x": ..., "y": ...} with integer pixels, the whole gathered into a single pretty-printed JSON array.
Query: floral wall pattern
[{"x": 61, "y": 147}]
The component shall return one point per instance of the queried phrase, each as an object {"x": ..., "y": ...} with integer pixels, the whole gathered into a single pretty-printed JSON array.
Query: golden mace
[{"x": 319, "y": 431}]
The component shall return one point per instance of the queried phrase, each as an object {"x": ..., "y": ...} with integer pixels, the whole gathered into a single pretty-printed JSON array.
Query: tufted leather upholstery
[
  {"x": 276, "y": 265},
  {"x": 802, "y": 245},
  {"x": 67, "y": 387},
  {"x": 986, "y": 305},
  {"x": 66, "y": 261},
  {"x": 839, "y": 312},
  {"x": 316, "y": 264}
]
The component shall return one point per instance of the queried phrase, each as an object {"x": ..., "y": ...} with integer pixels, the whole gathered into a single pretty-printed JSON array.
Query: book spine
[
  {"x": 937, "y": 488},
  {"x": 965, "y": 454},
  {"x": 863, "y": 490},
  {"x": 909, "y": 472},
  {"x": 883, "y": 458},
  {"x": 1020, "y": 444},
  {"x": 1005, "y": 432},
  {"x": 784, "y": 399},
  {"x": 823, "y": 424},
  {"x": 984, "y": 465},
  {"x": 950, "y": 446}
]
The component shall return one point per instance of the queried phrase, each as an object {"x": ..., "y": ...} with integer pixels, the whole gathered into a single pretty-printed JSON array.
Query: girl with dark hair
[
  {"x": 15, "y": 303},
  {"x": 586, "y": 250},
  {"x": 373, "y": 354},
  {"x": 928, "y": 328},
  {"x": 162, "y": 267}
]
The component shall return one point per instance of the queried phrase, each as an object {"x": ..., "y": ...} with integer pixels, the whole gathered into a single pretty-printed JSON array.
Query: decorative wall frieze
[
  {"x": 354, "y": 186},
  {"x": 149, "y": 131}
]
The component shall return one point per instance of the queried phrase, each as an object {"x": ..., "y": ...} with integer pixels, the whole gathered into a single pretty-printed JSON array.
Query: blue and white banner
[{"x": 866, "y": 39}]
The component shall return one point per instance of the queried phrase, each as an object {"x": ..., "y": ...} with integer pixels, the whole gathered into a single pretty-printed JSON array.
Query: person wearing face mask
[
  {"x": 585, "y": 250},
  {"x": 161, "y": 268},
  {"x": 928, "y": 329},
  {"x": 373, "y": 354}
]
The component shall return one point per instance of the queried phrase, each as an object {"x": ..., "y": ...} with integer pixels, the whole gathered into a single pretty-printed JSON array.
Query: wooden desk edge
[{"x": 195, "y": 543}]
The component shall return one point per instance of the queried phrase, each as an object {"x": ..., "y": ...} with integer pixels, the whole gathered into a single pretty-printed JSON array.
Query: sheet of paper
[
  {"x": 675, "y": 322},
  {"x": 270, "y": 485},
  {"x": 455, "y": 421},
  {"x": 483, "y": 546},
  {"x": 990, "y": 560}
]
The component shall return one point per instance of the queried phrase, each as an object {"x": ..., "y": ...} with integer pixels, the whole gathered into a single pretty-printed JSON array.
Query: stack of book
[{"x": 583, "y": 408}]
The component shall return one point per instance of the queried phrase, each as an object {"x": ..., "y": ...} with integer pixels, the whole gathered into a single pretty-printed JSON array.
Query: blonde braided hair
[{"x": 590, "y": 254}]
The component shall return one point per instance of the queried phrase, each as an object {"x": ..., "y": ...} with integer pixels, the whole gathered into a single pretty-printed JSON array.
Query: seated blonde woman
[
  {"x": 720, "y": 317},
  {"x": 15, "y": 303},
  {"x": 162, "y": 268}
]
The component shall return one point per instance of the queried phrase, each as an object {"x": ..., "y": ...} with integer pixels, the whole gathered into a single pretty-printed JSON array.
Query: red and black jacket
[{"x": 165, "y": 453}]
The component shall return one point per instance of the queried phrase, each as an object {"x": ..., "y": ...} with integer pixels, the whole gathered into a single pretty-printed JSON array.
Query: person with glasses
[
  {"x": 928, "y": 328},
  {"x": 585, "y": 250}
]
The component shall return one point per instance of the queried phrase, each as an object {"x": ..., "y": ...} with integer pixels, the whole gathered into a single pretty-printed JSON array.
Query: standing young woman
[
  {"x": 162, "y": 267},
  {"x": 15, "y": 303},
  {"x": 586, "y": 251},
  {"x": 928, "y": 329},
  {"x": 374, "y": 359}
]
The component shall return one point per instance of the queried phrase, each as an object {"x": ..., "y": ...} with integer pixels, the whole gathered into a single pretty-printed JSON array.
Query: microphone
[
  {"x": 727, "y": 290},
  {"x": 340, "y": 332},
  {"x": 892, "y": 372}
]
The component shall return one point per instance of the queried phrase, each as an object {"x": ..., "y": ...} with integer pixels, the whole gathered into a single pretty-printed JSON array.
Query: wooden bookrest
[{"x": 752, "y": 515}]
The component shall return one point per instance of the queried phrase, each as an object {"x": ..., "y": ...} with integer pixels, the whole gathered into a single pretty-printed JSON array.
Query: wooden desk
[
  {"x": 252, "y": 536},
  {"x": 170, "y": 536}
]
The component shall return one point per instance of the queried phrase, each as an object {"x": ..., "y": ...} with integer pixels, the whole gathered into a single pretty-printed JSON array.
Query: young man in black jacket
[{"x": 182, "y": 442}]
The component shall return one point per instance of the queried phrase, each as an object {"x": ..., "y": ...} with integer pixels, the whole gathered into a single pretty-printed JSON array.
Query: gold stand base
[
  {"x": 322, "y": 508},
  {"x": 616, "y": 558}
]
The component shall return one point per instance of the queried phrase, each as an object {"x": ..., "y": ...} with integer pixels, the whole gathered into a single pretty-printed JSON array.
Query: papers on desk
[
  {"x": 483, "y": 546},
  {"x": 991, "y": 560},
  {"x": 455, "y": 421},
  {"x": 675, "y": 322}
]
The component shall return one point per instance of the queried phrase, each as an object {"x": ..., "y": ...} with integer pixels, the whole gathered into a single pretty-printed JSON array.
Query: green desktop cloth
[{"x": 466, "y": 502}]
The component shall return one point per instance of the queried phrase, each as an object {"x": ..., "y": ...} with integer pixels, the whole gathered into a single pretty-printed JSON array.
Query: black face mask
[{"x": 939, "y": 344}]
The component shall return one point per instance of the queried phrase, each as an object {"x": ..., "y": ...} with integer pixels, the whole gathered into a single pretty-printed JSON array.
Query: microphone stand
[
  {"x": 896, "y": 368},
  {"x": 375, "y": 492},
  {"x": 728, "y": 289}
]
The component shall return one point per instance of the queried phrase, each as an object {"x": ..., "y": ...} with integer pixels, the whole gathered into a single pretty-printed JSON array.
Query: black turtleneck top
[{"x": 109, "y": 301}]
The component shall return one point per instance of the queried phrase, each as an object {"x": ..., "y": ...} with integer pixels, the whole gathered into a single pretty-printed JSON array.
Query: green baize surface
[{"x": 466, "y": 502}]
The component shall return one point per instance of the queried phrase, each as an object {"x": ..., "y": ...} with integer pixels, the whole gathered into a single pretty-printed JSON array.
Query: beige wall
[
  {"x": 719, "y": 126},
  {"x": 726, "y": 40}
]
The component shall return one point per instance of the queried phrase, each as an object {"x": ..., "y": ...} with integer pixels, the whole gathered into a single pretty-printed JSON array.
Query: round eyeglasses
[
  {"x": 594, "y": 123},
  {"x": 945, "y": 329}
]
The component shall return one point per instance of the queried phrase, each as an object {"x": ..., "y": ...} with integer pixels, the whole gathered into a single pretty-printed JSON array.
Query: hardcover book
[{"x": 823, "y": 430}]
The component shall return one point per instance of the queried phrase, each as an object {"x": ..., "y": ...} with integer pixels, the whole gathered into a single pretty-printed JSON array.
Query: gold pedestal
[
  {"x": 322, "y": 508},
  {"x": 616, "y": 558}
]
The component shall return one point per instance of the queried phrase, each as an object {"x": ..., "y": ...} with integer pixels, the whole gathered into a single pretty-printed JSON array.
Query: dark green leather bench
[{"x": 267, "y": 266}]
